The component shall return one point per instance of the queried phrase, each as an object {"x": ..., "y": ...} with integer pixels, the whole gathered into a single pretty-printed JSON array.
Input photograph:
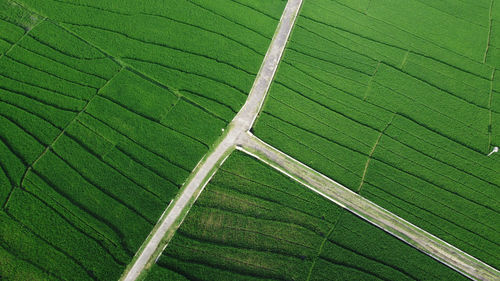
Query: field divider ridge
[
  {"x": 178, "y": 209},
  {"x": 414, "y": 236}
]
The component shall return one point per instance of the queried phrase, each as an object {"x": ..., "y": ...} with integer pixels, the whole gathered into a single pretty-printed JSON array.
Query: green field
[
  {"x": 253, "y": 223},
  {"x": 398, "y": 100},
  {"x": 105, "y": 109}
]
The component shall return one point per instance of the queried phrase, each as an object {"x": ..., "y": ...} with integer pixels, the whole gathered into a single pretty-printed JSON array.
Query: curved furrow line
[
  {"x": 103, "y": 190},
  {"x": 100, "y": 159},
  {"x": 13, "y": 151},
  {"x": 441, "y": 203},
  {"x": 398, "y": 47},
  {"x": 204, "y": 205},
  {"x": 163, "y": 45},
  {"x": 176, "y": 270},
  {"x": 461, "y": 81},
  {"x": 217, "y": 267},
  {"x": 64, "y": 52},
  {"x": 228, "y": 19},
  {"x": 325, "y": 59},
  {"x": 315, "y": 134},
  {"x": 78, "y": 229},
  {"x": 379, "y": 131},
  {"x": 139, "y": 144},
  {"x": 331, "y": 109},
  {"x": 77, "y": 262},
  {"x": 225, "y": 244},
  {"x": 293, "y": 63},
  {"x": 210, "y": 205},
  {"x": 339, "y": 131},
  {"x": 257, "y": 10},
  {"x": 381, "y": 160},
  {"x": 62, "y": 192},
  {"x": 187, "y": 72},
  {"x": 48, "y": 73},
  {"x": 156, "y": 121},
  {"x": 440, "y": 133},
  {"x": 209, "y": 240},
  {"x": 32, "y": 98},
  {"x": 267, "y": 186},
  {"x": 149, "y": 168},
  {"x": 11, "y": 23},
  {"x": 223, "y": 195},
  {"x": 387, "y": 34},
  {"x": 355, "y": 268},
  {"x": 6, "y": 41},
  {"x": 427, "y": 106},
  {"x": 320, "y": 80},
  {"x": 4, "y": 246},
  {"x": 428, "y": 222},
  {"x": 319, "y": 153},
  {"x": 459, "y": 155},
  {"x": 67, "y": 210},
  {"x": 346, "y": 105},
  {"x": 440, "y": 89},
  {"x": 52, "y": 91},
  {"x": 436, "y": 171},
  {"x": 8, "y": 118},
  {"x": 62, "y": 63},
  {"x": 208, "y": 98},
  {"x": 206, "y": 253},
  {"x": 416, "y": 148},
  {"x": 207, "y": 30},
  {"x": 396, "y": 268},
  {"x": 30, "y": 113},
  {"x": 311, "y": 31},
  {"x": 406, "y": 172},
  {"x": 161, "y": 16}
]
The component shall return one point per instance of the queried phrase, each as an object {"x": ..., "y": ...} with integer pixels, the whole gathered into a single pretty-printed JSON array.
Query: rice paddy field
[
  {"x": 253, "y": 223},
  {"x": 105, "y": 109},
  {"x": 398, "y": 100}
]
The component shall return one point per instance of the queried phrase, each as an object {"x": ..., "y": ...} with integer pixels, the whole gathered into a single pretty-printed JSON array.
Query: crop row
[
  {"x": 100, "y": 125},
  {"x": 399, "y": 115},
  {"x": 252, "y": 223},
  {"x": 209, "y": 52}
]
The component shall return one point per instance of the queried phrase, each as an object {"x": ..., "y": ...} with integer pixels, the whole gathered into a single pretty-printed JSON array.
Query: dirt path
[
  {"x": 178, "y": 209},
  {"x": 409, "y": 233}
]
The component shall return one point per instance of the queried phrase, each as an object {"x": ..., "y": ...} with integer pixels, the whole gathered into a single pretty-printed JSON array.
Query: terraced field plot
[
  {"x": 105, "y": 109},
  {"x": 252, "y": 223},
  {"x": 397, "y": 100}
]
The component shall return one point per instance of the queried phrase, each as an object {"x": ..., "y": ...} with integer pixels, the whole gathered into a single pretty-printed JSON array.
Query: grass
[
  {"x": 383, "y": 101},
  {"x": 253, "y": 223},
  {"x": 103, "y": 120}
]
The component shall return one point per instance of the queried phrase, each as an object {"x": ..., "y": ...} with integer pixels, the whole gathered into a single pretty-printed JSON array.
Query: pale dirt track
[
  {"x": 238, "y": 136},
  {"x": 243, "y": 121},
  {"x": 378, "y": 216}
]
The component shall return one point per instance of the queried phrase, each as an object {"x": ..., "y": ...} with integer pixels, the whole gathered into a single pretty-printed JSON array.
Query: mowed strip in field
[
  {"x": 397, "y": 100},
  {"x": 253, "y": 223},
  {"x": 104, "y": 112}
]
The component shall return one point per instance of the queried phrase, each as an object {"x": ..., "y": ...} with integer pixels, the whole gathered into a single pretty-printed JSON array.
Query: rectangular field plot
[
  {"x": 253, "y": 223},
  {"x": 105, "y": 109},
  {"x": 398, "y": 101}
]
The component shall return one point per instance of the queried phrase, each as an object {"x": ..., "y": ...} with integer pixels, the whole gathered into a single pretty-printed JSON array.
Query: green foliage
[
  {"x": 105, "y": 109},
  {"x": 398, "y": 100},
  {"x": 253, "y": 223}
]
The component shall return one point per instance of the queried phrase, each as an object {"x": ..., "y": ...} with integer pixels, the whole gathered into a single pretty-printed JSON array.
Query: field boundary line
[
  {"x": 322, "y": 245},
  {"x": 407, "y": 232},
  {"x": 48, "y": 147},
  {"x": 178, "y": 209},
  {"x": 490, "y": 26}
]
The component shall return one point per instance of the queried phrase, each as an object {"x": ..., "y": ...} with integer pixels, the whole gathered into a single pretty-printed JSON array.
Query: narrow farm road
[
  {"x": 243, "y": 121},
  {"x": 378, "y": 216}
]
